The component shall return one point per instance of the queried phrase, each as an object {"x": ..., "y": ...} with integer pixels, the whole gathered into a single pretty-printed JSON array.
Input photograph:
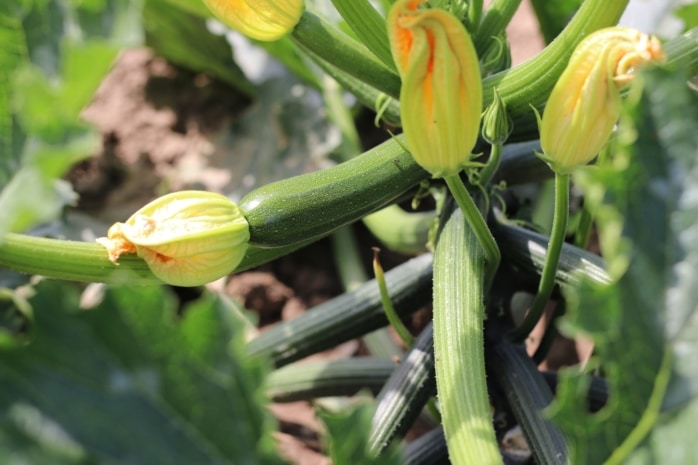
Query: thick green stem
[
  {"x": 474, "y": 15},
  {"x": 557, "y": 239},
  {"x": 477, "y": 223},
  {"x": 69, "y": 260},
  {"x": 531, "y": 82},
  {"x": 88, "y": 262},
  {"x": 368, "y": 25},
  {"x": 329, "y": 43},
  {"x": 459, "y": 283},
  {"x": 494, "y": 21}
]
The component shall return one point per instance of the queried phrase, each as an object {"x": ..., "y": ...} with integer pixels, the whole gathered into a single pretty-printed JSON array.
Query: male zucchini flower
[
  {"x": 441, "y": 94},
  {"x": 585, "y": 103},
  {"x": 264, "y": 20},
  {"x": 187, "y": 238}
]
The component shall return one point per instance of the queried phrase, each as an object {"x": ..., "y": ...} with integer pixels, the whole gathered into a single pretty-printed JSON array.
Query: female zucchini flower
[
  {"x": 187, "y": 238},
  {"x": 264, "y": 20},
  {"x": 585, "y": 103},
  {"x": 441, "y": 94}
]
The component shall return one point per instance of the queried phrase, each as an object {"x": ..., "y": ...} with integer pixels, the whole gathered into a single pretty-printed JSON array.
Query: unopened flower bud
[
  {"x": 441, "y": 94},
  {"x": 496, "y": 122},
  {"x": 585, "y": 103},
  {"x": 187, "y": 238},
  {"x": 264, "y": 20}
]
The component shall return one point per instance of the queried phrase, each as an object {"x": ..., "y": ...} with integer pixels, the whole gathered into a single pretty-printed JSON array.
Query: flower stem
[
  {"x": 477, "y": 223},
  {"x": 490, "y": 168},
  {"x": 557, "y": 239}
]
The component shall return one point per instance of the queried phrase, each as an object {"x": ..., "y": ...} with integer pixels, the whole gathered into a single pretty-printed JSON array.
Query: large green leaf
[
  {"x": 53, "y": 55},
  {"x": 127, "y": 382},
  {"x": 645, "y": 325}
]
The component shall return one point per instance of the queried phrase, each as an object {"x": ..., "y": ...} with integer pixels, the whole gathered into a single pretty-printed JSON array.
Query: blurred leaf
[
  {"x": 127, "y": 383},
  {"x": 645, "y": 325},
  {"x": 348, "y": 437},
  {"x": 53, "y": 56},
  {"x": 284, "y": 133},
  {"x": 184, "y": 39},
  {"x": 554, "y": 16},
  {"x": 688, "y": 14}
]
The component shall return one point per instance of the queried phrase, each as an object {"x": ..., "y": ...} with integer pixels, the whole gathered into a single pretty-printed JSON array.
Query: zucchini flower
[
  {"x": 441, "y": 94},
  {"x": 187, "y": 238},
  {"x": 264, "y": 20},
  {"x": 585, "y": 103}
]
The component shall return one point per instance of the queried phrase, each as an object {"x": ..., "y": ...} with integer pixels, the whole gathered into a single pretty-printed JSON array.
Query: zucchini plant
[{"x": 470, "y": 142}]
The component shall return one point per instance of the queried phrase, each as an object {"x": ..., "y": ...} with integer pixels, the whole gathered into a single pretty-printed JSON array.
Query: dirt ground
[{"x": 157, "y": 122}]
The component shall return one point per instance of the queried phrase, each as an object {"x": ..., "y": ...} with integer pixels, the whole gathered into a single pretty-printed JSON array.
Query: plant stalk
[
  {"x": 459, "y": 281},
  {"x": 557, "y": 239}
]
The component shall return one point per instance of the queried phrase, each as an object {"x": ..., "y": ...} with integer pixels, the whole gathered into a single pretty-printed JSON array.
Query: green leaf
[
  {"x": 554, "y": 16},
  {"x": 126, "y": 382},
  {"x": 348, "y": 437},
  {"x": 644, "y": 325},
  {"x": 53, "y": 56}
]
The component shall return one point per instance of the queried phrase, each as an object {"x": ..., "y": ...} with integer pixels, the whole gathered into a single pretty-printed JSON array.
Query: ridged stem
[
  {"x": 368, "y": 25},
  {"x": 528, "y": 395},
  {"x": 404, "y": 394},
  {"x": 347, "y": 316},
  {"x": 474, "y": 15},
  {"x": 310, "y": 380},
  {"x": 495, "y": 19},
  {"x": 527, "y": 250},
  {"x": 459, "y": 280},
  {"x": 329, "y": 43}
]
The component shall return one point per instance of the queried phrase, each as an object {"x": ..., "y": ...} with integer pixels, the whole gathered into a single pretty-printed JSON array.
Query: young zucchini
[{"x": 312, "y": 205}]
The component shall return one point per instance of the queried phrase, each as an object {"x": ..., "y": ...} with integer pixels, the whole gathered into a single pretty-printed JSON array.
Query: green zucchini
[{"x": 313, "y": 205}]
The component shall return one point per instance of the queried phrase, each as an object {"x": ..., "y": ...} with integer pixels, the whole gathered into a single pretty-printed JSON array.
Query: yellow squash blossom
[
  {"x": 585, "y": 103},
  {"x": 264, "y": 20},
  {"x": 187, "y": 238},
  {"x": 441, "y": 94}
]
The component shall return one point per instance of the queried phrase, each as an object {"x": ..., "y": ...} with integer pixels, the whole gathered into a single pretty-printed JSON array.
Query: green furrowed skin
[{"x": 313, "y": 205}]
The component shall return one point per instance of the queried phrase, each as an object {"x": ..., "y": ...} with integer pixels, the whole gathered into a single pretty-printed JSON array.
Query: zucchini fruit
[
  {"x": 347, "y": 316},
  {"x": 312, "y": 205}
]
